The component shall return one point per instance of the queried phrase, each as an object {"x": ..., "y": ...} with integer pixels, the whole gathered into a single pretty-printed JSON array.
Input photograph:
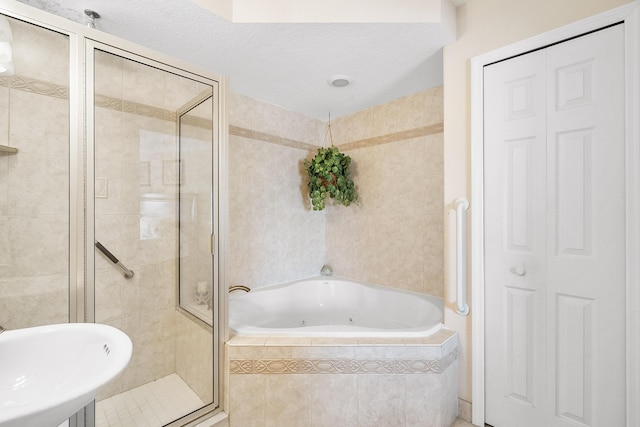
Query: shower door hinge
[{"x": 212, "y": 244}]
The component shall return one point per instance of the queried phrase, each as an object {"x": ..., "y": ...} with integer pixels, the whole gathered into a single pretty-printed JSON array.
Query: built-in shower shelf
[{"x": 8, "y": 150}]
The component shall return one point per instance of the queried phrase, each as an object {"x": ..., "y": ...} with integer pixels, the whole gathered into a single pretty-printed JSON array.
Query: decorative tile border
[
  {"x": 369, "y": 142},
  {"x": 342, "y": 366},
  {"x": 196, "y": 122},
  {"x": 58, "y": 91},
  {"x": 394, "y": 137},
  {"x": 137, "y": 108},
  {"x": 273, "y": 139},
  {"x": 35, "y": 86}
]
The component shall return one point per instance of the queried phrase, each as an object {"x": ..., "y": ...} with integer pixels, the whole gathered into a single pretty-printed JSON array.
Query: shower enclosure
[{"x": 109, "y": 183}]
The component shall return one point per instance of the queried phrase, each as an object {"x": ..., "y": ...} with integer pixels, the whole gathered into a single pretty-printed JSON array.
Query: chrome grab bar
[
  {"x": 128, "y": 274},
  {"x": 239, "y": 288}
]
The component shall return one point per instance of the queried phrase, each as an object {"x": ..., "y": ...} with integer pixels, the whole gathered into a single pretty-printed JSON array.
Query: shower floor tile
[{"x": 151, "y": 405}]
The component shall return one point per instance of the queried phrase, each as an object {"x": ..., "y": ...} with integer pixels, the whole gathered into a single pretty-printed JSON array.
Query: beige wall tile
[
  {"x": 248, "y": 400},
  {"x": 371, "y": 384},
  {"x": 271, "y": 226},
  {"x": 381, "y": 400},
  {"x": 143, "y": 84},
  {"x": 31, "y": 254},
  {"x": 38, "y": 185},
  {"x": 327, "y": 351},
  {"x": 334, "y": 401},
  {"x": 424, "y": 401},
  {"x": 34, "y": 235},
  {"x": 194, "y": 353},
  {"x": 34, "y": 301},
  {"x": 289, "y": 400},
  {"x": 108, "y": 75},
  {"x": 385, "y": 351},
  {"x": 40, "y": 53},
  {"x": 39, "y": 124},
  {"x": 392, "y": 237},
  {"x": 396, "y": 229}
]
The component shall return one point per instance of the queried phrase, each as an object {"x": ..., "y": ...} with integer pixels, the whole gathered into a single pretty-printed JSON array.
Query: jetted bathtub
[{"x": 333, "y": 307}]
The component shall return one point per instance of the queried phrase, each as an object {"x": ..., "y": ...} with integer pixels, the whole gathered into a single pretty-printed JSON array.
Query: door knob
[{"x": 518, "y": 271}]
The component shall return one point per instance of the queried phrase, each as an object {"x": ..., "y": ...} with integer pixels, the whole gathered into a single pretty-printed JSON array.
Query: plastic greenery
[{"x": 329, "y": 175}]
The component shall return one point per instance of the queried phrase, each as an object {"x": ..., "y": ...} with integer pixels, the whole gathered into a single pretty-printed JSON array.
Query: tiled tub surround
[
  {"x": 271, "y": 229},
  {"x": 343, "y": 381},
  {"x": 394, "y": 235},
  {"x": 397, "y": 166}
]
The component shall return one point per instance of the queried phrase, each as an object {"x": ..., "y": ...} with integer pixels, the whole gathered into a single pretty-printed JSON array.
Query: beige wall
[
  {"x": 393, "y": 236},
  {"x": 483, "y": 26},
  {"x": 273, "y": 236}
]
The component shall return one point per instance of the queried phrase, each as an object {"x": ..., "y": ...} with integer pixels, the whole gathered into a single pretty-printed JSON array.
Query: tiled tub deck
[{"x": 343, "y": 381}]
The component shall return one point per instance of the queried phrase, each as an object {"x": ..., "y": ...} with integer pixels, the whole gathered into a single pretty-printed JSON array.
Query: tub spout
[
  {"x": 239, "y": 288},
  {"x": 326, "y": 271}
]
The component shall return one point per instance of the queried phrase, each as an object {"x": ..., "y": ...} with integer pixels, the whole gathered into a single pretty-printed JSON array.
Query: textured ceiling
[{"x": 284, "y": 64}]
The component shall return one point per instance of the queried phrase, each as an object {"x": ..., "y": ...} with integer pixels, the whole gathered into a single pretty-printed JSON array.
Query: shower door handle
[{"x": 128, "y": 274}]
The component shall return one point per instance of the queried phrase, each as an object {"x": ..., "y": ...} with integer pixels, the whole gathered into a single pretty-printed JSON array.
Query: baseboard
[{"x": 464, "y": 410}]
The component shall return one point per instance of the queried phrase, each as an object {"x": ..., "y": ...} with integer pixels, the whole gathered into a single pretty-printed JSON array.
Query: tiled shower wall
[
  {"x": 136, "y": 218},
  {"x": 393, "y": 236},
  {"x": 34, "y": 183}
]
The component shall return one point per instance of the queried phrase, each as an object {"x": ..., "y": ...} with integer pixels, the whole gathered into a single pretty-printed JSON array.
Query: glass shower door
[
  {"x": 35, "y": 170},
  {"x": 149, "y": 172}
]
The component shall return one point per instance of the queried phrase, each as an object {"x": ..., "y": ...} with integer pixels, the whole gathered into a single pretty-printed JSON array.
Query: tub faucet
[
  {"x": 239, "y": 288},
  {"x": 326, "y": 271}
]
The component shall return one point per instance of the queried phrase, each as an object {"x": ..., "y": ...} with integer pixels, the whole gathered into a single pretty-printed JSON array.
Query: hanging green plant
[{"x": 329, "y": 176}]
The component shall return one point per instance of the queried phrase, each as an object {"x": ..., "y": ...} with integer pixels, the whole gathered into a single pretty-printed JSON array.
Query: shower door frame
[
  {"x": 82, "y": 41},
  {"x": 131, "y": 52}
]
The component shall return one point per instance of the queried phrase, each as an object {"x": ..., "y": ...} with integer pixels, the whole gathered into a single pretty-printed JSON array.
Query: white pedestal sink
[{"x": 48, "y": 373}]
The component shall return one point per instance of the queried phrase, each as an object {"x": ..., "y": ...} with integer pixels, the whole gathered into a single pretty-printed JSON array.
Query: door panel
[
  {"x": 586, "y": 229},
  {"x": 515, "y": 246},
  {"x": 554, "y": 227}
]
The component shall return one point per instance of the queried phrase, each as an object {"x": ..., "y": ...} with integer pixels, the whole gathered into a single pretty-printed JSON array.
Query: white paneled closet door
[{"x": 555, "y": 235}]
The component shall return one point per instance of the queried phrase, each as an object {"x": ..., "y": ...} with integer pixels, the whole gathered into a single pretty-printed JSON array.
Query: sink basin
[{"x": 48, "y": 373}]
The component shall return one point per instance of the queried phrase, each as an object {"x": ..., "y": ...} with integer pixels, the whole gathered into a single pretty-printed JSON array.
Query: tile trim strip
[
  {"x": 118, "y": 104},
  {"x": 362, "y": 143},
  {"x": 394, "y": 137},
  {"x": 35, "y": 86},
  {"x": 273, "y": 139},
  {"x": 342, "y": 366},
  {"x": 59, "y": 91}
]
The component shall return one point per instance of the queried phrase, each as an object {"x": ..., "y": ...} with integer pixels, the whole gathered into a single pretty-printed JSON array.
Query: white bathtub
[{"x": 333, "y": 307}]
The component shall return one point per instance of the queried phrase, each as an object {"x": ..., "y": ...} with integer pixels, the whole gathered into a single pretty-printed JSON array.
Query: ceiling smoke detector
[{"x": 340, "y": 81}]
